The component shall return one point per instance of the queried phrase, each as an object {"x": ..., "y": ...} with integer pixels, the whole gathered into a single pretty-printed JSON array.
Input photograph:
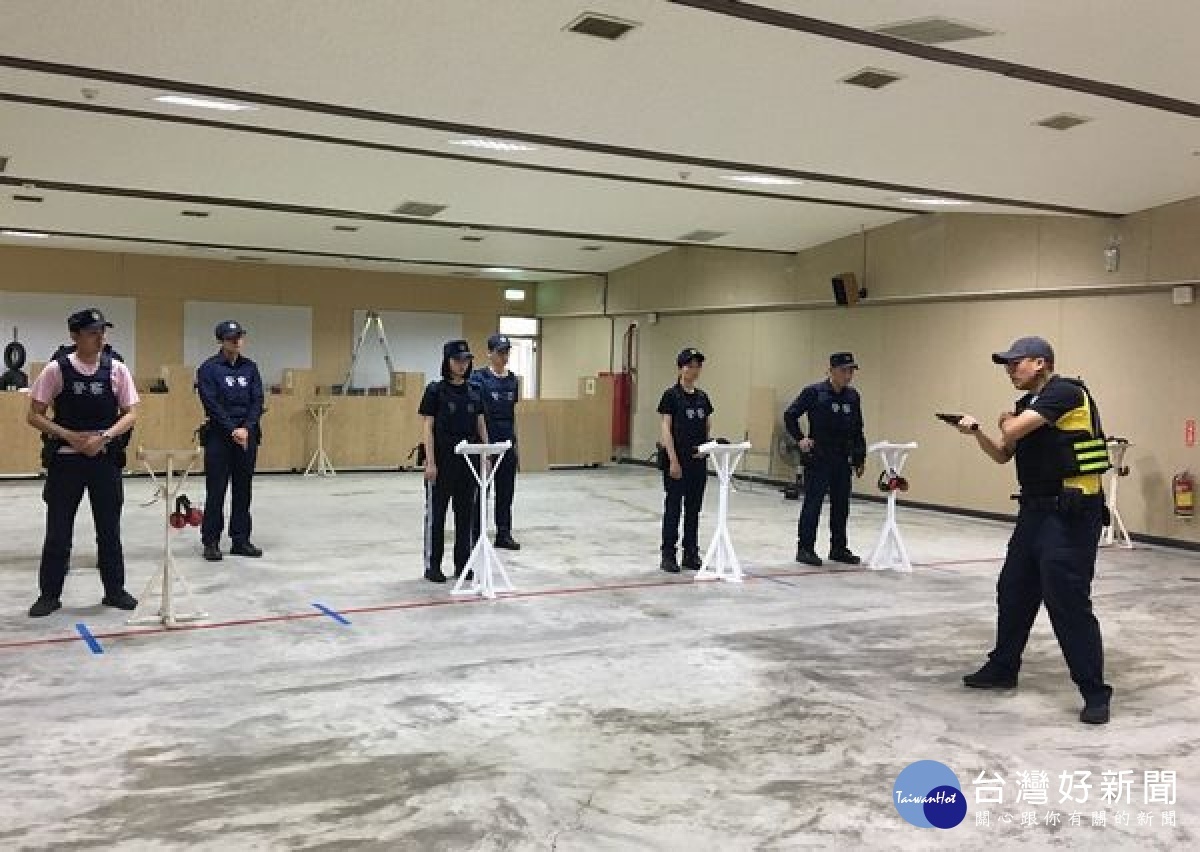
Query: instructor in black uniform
[
  {"x": 835, "y": 444},
  {"x": 686, "y": 416},
  {"x": 451, "y": 411},
  {"x": 501, "y": 391},
  {"x": 1055, "y": 435},
  {"x": 232, "y": 393},
  {"x": 94, "y": 402}
]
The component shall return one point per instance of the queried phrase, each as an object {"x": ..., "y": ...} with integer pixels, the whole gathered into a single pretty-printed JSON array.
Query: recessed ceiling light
[
  {"x": 703, "y": 236},
  {"x": 493, "y": 144},
  {"x": 762, "y": 180},
  {"x": 502, "y": 270},
  {"x": 935, "y": 202},
  {"x": 28, "y": 235},
  {"x": 423, "y": 209},
  {"x": 872, "y": 78},
  {"x": 203, "y": 103},
  {"x": 514, "y": 295},
  {"x": 600, "y": 26},
  {"x": 1063, "y": 121}
]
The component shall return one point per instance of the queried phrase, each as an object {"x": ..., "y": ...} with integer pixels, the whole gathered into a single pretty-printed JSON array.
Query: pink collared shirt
[{"x": 49, "y": 383}]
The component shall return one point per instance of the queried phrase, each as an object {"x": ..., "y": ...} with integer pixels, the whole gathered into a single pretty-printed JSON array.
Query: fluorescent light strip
[
  {"x": 514, "y": 295},
  {"x": 762, "y": 180},
  {"x": 28, "y": 235},
  {"x": 493, "y": 144},
  {"x": 936, "y": 202},
  {"x": 203, "y": 103}
]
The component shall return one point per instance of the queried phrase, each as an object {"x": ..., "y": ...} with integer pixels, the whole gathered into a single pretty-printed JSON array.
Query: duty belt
[{"x": 1069, "y": 500}]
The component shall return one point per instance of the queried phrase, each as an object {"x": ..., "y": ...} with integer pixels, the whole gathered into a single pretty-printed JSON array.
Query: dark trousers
[
  {"x": 226, "y": 463},
  {"x": 832, "y": 477},
  {"x": 1052, "y": 559},
  {"x": 686, "y": 494},
  {"x": 503, "y": 487},
  {"x": 67, "y": 477},
  {"x": 455, "y": 484}
]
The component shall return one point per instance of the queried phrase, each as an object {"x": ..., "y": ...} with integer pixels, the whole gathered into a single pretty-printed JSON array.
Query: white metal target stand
[
  {"x": 169, "y": 573},
  {"x": 319, "y": 464},
  {"x": 890, "y": 552},
  {"x": 1115, "y": 532},
  {"x": 480, "y": 574},
  {"x": 721, "y": 562}
]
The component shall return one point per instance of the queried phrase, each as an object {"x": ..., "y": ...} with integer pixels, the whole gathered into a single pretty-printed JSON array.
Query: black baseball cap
[
  {"x": 1025, "y": 347},
  {"x": 687, "y": 356},
  {"x": 842, "y": 359},
  {"x": 499, "y": 343},
  {"x": 229, "y": 329},
  {"x": 456, "y": 349},
  {"x": 89, "y": 319}
]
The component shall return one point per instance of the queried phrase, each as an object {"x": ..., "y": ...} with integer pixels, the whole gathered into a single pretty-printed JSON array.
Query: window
[{"x": 524, "y": 332}]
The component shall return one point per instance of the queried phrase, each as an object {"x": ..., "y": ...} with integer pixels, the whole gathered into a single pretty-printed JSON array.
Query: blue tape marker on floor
[
  {"x": 336, "y": 616},
  {"x": 89, "y": 638}
]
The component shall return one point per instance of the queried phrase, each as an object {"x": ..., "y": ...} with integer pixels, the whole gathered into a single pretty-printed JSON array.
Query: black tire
[{"x": 14, "y": 356}]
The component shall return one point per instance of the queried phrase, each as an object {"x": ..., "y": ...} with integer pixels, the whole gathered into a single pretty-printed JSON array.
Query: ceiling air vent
[
  {"x": 424, "y": 209},
  {"x": 347, "y": 228},
  {"x": 1063, "y": 121},
  {"x": 31, "y": 199},
  {"x": 470, "y": 238},
  {"x": 195, "y": 214},
  {"x": 703, "y": 236},
  {"x": 872, "y": 78},
  {"x": 600, "y": 26},
  {"x": 590, "y": 248},
  {"x": 933, "y": 30}
]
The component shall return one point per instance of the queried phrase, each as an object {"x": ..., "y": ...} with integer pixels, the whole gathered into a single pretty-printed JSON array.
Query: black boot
[
  {"x": 435, "y": 575},
  {"x": 691, "y": 560},
  {"x": 212, "y": 552},
  {"x": 505, "y": 541},
  {"x": 843, "y": 555},
  {"x": 990, "y": 677},
  {"x": 668, "y": 562},
  {"x": 808, "y": 556},
  {"x": 121, "y": 600},
  {"x": 44, "y": 606},
  {"x": 245, "y": 548}
]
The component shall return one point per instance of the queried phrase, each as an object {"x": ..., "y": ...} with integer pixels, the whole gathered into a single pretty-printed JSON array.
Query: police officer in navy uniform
[
  {"x": 686, "y": 423},
  {"x": 231, "y": 391},
  {"x": 94, "y": 401},
  {"x": 501, "y": 391},
  {"x": 835, "y": 445},
  {"x": 1056, "y": 437},
  {"x": 451, "y": 411}
]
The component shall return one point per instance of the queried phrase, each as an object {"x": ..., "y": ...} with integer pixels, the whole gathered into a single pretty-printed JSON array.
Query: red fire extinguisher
[{"x": 1182, "y": 488}]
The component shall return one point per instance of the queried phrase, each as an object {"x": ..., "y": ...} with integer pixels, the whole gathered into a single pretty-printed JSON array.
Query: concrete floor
[{"x": 633, "y": 711}]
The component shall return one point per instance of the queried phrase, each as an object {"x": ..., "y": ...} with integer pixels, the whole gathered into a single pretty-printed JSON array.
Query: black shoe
[
  {"x": 212, "y": 552},
  {"x": 669, "y": 564},
  {"x": 245, "y": 548},
  {"x": 44, "y": 606},
  {"x": 691, "y": 561},
  {"x": 1094, "y": 714},
  {"x": 989, "y": 677},
  {"x": 506, "y": 542},
  {"x": 808, "y": 556},
  {"x": 435, "y": 575},
  {"x": 843, "y": 555},
  {"x": 470, "y": 575},
  {"x": 121, "y": 600}
]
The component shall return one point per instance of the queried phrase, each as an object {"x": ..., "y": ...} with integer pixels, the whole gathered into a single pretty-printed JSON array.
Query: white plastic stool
[
  {"x": 890, "y": 553},
  {"x": 484, "y": 565},
  {"x": 1116, "y": 526},
  {"x": 169, "y": 573},
  {"x": 721, "y": 562}
]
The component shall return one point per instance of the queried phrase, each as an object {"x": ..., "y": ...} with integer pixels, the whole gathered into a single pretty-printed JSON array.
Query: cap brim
[
  {"x": 501, "y": 348},
  {"x": 1000, "y": 358},
  {"x": 93, "y": 326}
]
